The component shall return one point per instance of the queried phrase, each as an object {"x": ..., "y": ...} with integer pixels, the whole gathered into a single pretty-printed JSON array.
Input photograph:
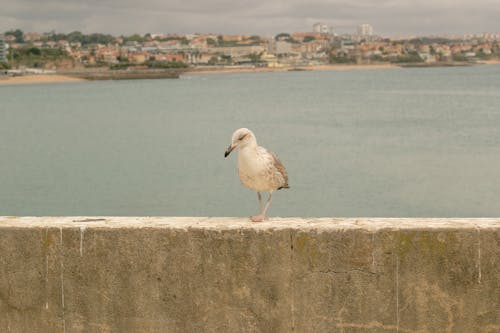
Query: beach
[{"x": 38, "y": 78}]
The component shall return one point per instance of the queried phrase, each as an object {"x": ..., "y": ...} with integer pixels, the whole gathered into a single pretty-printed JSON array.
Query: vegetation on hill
[
  {"x": 78, "y": 37},
  {"x": 18, "y": 34},
  {"x": 410, "y": 57},
  {"x": 286, "y": 37},
  {"x": 335, "y": 59},
  {"x": 308, "y": 39},
  {"x": 35, "y": 57}
]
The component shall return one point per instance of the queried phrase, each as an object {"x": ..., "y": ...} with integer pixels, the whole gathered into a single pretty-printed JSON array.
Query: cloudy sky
[{"x": 264, "y": 17}]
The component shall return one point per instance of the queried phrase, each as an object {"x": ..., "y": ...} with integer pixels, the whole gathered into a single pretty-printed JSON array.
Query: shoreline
[
  {"x": 492, "y": 62},
  {"x": 38, "y": 79},
  {"x": 61, "y": 78},
  {"x": 207, "y": 70}
]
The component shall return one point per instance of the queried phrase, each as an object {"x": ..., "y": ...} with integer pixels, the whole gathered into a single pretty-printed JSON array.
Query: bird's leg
[
  {"x": 260, "y": 200},
  {"x": 262, "y": 215},
  {"x": 268, "y": 203}
]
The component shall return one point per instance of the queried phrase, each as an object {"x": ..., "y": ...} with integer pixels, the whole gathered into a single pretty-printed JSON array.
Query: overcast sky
[{"x": 263, "y": 17}]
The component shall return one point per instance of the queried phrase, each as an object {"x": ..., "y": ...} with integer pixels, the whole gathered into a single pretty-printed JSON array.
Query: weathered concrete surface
[{"x": 123, "y": 274}]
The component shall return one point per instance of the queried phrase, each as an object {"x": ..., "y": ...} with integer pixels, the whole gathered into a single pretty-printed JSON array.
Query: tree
[
  {"x": 283, "y": 36},
  {"x": 78, "y": 37},
  {"x": 255, "y": 58},
  {"x": 377, "y": 57},
  {"x": 35, "y": 57},
  {"x": 336, "y": 59},
  {"x": 16, "y": 33},
  {"x": 133, "y": 38},
  {"x": 122, "y": 59},
  {"x": 34, "y": 51},
  {"x": 410, "y": 56},
  {"x": 212, "y": 61},
  {"x": 226, "y": 59},
  {"x": 459, "y": 57}
]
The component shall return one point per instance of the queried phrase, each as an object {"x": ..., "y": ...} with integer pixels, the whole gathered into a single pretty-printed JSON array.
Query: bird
[{"x": 258, "y": 168}]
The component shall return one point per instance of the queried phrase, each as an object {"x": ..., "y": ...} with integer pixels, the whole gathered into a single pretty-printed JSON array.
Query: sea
[{"x": 403, "y": 142}]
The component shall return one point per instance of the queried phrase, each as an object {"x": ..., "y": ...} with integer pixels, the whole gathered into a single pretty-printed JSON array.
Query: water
[{"x": 396, "y": 142}]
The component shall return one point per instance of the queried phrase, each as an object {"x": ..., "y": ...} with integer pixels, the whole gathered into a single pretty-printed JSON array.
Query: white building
[
  {"x": 322, "y": 28},
  {"x": 283, "y": 47},
  {"x": 237, "y": 51},
  {"x": 365, "y": 30},
  {"x": 3, "y": 50}
]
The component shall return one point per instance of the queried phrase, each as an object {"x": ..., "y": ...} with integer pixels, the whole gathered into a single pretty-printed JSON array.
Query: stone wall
[{"x": 166, "y": 274}]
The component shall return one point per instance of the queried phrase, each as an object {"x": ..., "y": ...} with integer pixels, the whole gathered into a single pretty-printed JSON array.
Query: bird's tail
[{"x": 284, "y": 186}]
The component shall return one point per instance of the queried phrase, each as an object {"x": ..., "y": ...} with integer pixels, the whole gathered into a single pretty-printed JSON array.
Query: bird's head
[{"x": 241, "y": 138}]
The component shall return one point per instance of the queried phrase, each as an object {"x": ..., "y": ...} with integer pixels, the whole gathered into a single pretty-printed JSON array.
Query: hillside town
[{"x": 320, "y": 46}]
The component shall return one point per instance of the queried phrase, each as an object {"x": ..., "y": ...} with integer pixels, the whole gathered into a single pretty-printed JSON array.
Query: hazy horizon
[{"x": 388, "y": 17}]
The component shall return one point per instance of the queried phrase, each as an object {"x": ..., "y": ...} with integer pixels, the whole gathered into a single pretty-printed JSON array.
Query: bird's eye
[{"x": 242, "y": 137}]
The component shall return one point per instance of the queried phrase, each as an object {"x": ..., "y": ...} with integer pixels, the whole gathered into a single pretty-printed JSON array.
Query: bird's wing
[{"x": 280, "y": 168}]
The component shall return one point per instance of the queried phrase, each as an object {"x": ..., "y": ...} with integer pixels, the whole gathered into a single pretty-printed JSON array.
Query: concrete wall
[{"x": 229, "y": 275}]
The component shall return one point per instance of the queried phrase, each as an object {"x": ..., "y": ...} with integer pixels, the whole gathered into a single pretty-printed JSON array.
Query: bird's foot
[{"x": 258, "y": 218}]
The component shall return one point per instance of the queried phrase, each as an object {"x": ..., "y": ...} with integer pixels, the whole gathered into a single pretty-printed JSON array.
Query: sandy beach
[
  {"x": 38, "y": 78},
  {"x": 492, "y": 62}
]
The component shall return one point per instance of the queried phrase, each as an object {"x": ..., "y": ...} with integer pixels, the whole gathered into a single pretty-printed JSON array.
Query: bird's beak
[{"x": 229, "y": 150}]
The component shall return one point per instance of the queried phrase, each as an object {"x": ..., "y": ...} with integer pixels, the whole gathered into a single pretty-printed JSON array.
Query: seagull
[{"x": 258, "y": 168}]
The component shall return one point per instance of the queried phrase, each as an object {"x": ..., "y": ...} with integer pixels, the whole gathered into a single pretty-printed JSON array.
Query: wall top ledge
[{"x": 237, "y": 223}]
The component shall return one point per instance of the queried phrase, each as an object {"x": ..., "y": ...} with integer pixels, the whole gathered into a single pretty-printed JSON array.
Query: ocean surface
[{"x": 419, "y": 142}]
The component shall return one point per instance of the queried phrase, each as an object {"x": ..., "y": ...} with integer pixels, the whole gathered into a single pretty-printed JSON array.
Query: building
[
  {"x": 281, "y": 48},
  {"x": 31, "y": 36},
  {"x": 365, "y": 30},
  {"x": 3, "y": 50},
  {"x": 237, "y": 51},
  {"x": 322, "y": 28}
]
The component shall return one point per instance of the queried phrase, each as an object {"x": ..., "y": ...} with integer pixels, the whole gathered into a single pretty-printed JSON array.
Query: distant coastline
[{"x": 72, "y": 77}]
